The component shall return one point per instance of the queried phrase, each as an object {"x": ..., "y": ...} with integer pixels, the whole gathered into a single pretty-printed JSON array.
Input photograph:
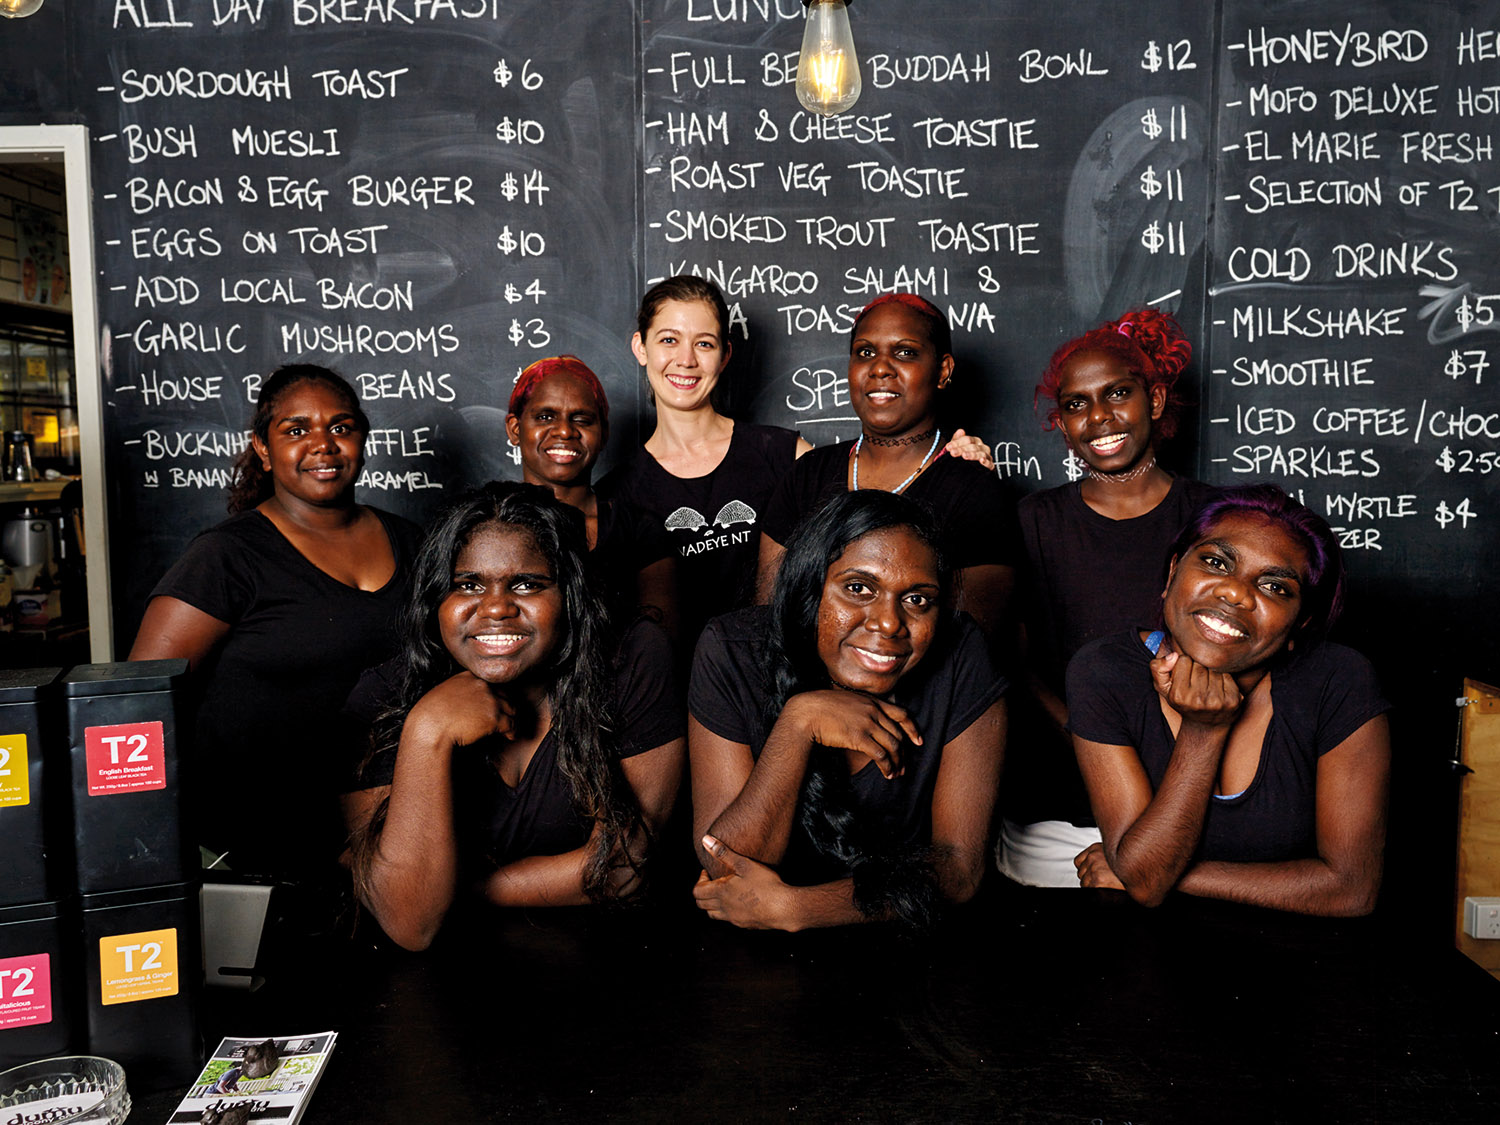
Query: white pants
[{"x": 1041, "y": 854}]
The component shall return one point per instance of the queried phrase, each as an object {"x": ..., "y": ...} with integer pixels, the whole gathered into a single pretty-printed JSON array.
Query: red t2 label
[{"x": 125, "y": 758}]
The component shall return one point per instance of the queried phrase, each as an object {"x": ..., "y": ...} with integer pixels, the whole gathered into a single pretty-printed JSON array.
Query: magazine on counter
[{"x": 249, "y": 1080}]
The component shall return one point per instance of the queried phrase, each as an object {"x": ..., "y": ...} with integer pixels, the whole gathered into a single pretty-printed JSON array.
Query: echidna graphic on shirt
[{"x": 705, "y": 536}]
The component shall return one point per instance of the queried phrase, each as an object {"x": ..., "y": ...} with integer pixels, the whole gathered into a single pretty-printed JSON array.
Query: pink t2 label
[
  {"x": 25, "y": 990},
  {"x": 125, "y": 758}
]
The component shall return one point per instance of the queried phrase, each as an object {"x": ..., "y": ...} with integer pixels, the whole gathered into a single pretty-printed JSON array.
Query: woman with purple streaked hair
[{"x": 1235, "y": 753}]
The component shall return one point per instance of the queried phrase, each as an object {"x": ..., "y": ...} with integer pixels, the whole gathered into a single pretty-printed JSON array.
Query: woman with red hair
[
  {"x": 558, "y": 420},
  {"x": 1114, "y": 396}
]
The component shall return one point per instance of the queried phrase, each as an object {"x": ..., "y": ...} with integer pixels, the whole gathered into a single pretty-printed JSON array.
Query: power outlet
[{"x": 1482, "y": 918}]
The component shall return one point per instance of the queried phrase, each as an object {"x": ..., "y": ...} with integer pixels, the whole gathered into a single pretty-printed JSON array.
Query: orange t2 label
[
  {"x": 125, "y": 758},
  {"x": 15, "y": 780},
  {"x": 25, "y": 990},
  {"x": 137, "y": 966}
]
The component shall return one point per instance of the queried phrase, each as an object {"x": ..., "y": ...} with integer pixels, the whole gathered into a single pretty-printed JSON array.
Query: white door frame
[{"x": 19, "y": 144}]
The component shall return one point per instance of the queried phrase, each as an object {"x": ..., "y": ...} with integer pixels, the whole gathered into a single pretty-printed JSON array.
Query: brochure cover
[{"x": 257, "y": 1080}]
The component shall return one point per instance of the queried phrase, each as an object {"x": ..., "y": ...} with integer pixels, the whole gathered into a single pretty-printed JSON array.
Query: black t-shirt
[
  {"x": 270, "y": 753},
  {"x": 976, "y": 520},
  {"x": 1085, "y": 576},
  {"x": 496, "y": 824},
  {"x": 953, "y": 685},
  {"x": 713, "y": 521},
  {"x": 1319, "y": 697},
  {"x": 628, "y": 542}
]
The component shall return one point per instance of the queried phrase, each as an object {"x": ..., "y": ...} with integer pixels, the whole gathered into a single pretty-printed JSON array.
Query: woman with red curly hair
[
  {"x": 558, "y": 420},
  {"x": 1114, "y": 396}
]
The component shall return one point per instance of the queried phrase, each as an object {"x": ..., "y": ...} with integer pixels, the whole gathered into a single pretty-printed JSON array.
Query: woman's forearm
[
  {"x": 1154, "y": 852},
  {"x": 825, "y": 904},
  {"x": 1306, "y": 886},
  {"x": 413, "y": 867},
  {"x": 758, "y": 822},
  {"x": 540, "y": 880}
]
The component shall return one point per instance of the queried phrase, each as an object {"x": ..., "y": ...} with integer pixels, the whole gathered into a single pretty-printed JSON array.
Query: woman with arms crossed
[
  {"x": 1247, "y": 759},
  {"x": 519, "y": 762},
  {"x": 278, "y": 610},
  {"x": 846, "y": 741}
]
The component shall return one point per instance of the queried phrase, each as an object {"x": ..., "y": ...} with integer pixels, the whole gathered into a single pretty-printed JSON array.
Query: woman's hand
[
  {"x": 969, "y": 448},
  {"x": 1202, "y": 697},
  {"x": 462, "y": 710},
  {"x": 850, "y": 720},
  {"x": 1094, "y": 869},
  {"x": 748, "y": 894}
]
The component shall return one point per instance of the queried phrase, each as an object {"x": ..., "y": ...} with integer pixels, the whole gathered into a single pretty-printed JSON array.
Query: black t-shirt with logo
[{"x": 712, "y": 520}]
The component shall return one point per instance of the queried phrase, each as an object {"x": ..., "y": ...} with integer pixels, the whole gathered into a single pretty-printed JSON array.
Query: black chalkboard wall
[{"x": 429, "y": 195}]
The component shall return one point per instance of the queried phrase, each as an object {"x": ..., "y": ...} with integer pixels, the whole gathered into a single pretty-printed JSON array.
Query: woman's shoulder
[
  {"x": 773, "y": 443},
  {"x": 741, "y": 630},
  {"x": 1117, "y": 656},
  {"x": 1049, "y": 503},
  {"x": 405, "y": 535},
  {"x": 1189, "y": 495},
  {"x": 1329, "y": 662},
  {"x": 223, "y": 568},
  {"x": 229, "y": 538},
  {"x": 824, "y": 460},
  {"x": 960, "y": 656}
]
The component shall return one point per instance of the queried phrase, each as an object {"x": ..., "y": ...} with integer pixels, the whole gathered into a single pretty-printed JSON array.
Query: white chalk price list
[
  {"x": 1167, "y": 124},
  {"x": 518, "y": 241}
]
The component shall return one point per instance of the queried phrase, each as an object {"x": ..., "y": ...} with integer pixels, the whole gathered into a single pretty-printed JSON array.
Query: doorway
[{"x": 65, "y": 148}]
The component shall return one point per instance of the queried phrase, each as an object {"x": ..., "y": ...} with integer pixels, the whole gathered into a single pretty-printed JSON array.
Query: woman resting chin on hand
[
  {"x": 1235, "y": 754},
  {"x": 520, "y": 763},
  {"x": 846, "y": 741}
]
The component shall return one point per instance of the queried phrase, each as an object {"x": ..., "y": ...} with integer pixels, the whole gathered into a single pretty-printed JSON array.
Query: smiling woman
[
  {"x": 1237, "y": 754},
  {"x": 702, "y": 479},
  {"x": 1113, "y": 395},
  {"x": 527, "y": 758},
  {"x": 558, "y": 420},
  {"x": 846, "y": 741},
  {"x": 279, "y": 609},
  {"x": 900, "y": 362}
]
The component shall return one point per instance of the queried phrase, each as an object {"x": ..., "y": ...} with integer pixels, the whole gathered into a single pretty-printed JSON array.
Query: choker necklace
[
  {"x": 914, "y": 439},
  {"x": 1129, "y": 475},
  {"x": 937, "y": 436}
]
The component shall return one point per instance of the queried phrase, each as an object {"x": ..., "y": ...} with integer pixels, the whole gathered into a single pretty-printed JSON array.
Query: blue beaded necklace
[{"x": 931, "y": 449}]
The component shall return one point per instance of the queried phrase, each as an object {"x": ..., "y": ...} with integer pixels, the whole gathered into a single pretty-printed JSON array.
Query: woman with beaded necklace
[
  {"x": 900, "y": 361},
  {"x": 1114, "y": 397}
]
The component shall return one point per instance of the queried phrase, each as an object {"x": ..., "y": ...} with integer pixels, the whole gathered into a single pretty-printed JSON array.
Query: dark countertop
[{"x": 1028, "y": 1006}]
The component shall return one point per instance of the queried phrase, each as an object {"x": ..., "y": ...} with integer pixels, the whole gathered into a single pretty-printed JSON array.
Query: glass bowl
[{"x": 74, "y": 1088}]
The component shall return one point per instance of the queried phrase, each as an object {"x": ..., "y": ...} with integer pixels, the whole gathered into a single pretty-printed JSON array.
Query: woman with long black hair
[
  {"x": 846, "y": 741},
  {"x": 527, "y": 757}
]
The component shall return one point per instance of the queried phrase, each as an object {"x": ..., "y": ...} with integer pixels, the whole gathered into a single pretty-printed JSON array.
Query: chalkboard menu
[
  {"x": 1030, "y": 173},
  {"x": 1355, "y": 297},
  {"x": 429, "y": 194},
  {"x": 425, "y": 197}
]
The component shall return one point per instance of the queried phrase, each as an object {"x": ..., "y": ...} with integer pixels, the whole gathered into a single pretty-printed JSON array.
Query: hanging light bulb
[
  {"x": 15, "y": 9},
  {"x": 828, "y": 70}
]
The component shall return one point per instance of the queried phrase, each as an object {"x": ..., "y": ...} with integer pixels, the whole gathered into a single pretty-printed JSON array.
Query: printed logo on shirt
[{"x": 706, "y": 536}]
